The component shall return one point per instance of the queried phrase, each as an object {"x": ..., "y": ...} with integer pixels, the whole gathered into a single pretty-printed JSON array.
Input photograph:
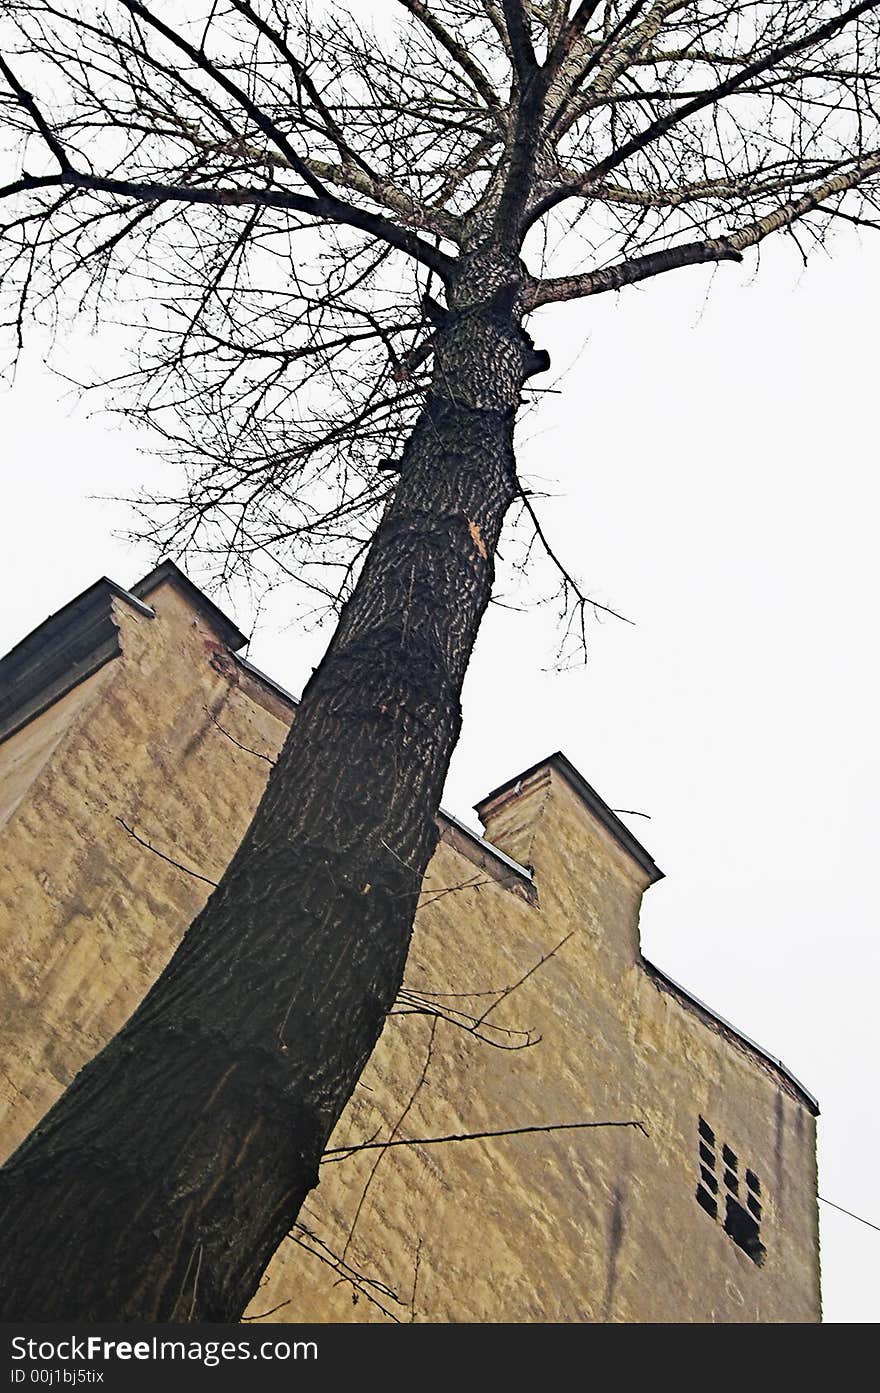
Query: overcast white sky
[{"x": 716, "y": 463}]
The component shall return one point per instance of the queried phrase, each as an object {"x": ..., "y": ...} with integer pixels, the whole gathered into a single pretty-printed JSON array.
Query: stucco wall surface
[{"x": 582, "y": 1225}]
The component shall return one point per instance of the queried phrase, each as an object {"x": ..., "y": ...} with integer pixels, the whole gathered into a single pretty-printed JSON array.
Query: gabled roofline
[
  {"x": 169, "y": 571},
  {"x": 43, "y": 631},
  {"x": 69, "y": 646},
  {"x": 78, "y": 639},
  {"x": 588, "y": 795}
]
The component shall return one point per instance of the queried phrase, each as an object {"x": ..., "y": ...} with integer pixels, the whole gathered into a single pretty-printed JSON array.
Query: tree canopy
[{"x": 272, "y": 196}]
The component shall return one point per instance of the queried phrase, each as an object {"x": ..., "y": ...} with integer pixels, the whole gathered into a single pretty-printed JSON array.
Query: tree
[{"x": 334, "y": 243}]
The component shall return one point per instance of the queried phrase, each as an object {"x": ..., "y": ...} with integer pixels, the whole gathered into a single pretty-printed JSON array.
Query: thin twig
[
  {"x": 412, "y": 1303},
  {"x": 358, "y": 1280},
  {"x": 412, "y": 1004},
  {"x": 526, "y": 975},
  {"x": 247, "y": 749},
  {"x": 187, "y": 870},
  {"x": 261, "y": 1315},
  {"x": 409, "y": 1105},
  {"x": 567, "y": 577}
]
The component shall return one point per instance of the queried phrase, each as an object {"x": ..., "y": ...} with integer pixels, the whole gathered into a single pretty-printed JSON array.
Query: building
[{"x": 134, "y": 745}]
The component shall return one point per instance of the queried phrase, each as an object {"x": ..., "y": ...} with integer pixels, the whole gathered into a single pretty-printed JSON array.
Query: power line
[{"x": 850, "y": 1213}]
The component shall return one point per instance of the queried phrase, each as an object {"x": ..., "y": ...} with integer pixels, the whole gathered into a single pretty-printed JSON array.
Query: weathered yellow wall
[
  {"x": 583, "y": 1226},
  {"x": 24, "y": 754},
  {"x": 87, "y": 916},
  {"x": 576, "y": 1226}
]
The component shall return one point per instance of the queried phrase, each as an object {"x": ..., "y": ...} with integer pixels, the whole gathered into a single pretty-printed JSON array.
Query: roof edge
[
  {"x": 102, "y": 583},
  {"x": 266, "y": 680},
  {"x": 491, "y": 850},
  {"x": 69, "y": 646},
  {"x": 667, "y": 983}
]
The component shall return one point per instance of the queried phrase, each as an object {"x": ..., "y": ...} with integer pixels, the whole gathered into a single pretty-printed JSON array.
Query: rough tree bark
[{"x": 288, "y": 973}]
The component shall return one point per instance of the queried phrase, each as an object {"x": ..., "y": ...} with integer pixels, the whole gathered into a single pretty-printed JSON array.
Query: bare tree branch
[
  {"x": 303, "y": 80},
  {"x": 27, "y": 101},
  {"x": 712, "y": 97},
  {"x": 638, "y": 268},
  {"x": 519, "y": 33},
  {"x": 457, "y": 52},
  {"x": 342, "y": 1153},
  {"x": 258, "y": 754},
  {"x": 813, "y": 201},
  {"x": 257, "y": 115}
]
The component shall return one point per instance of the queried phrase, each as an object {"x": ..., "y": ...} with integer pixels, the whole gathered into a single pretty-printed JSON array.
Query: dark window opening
[
  {"x": 742, "y": 1228},
  {"x": 741, "y": 1222},
  {"x": 709, "y": 1180},
  {"x": 709, "y": 1204}
]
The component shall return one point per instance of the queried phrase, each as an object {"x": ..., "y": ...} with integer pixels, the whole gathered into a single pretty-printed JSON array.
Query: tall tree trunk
[{"x": 160, "y": 1184}]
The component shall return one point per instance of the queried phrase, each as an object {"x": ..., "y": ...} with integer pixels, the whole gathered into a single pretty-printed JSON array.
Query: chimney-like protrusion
[{"x": 510, "y": 814}]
